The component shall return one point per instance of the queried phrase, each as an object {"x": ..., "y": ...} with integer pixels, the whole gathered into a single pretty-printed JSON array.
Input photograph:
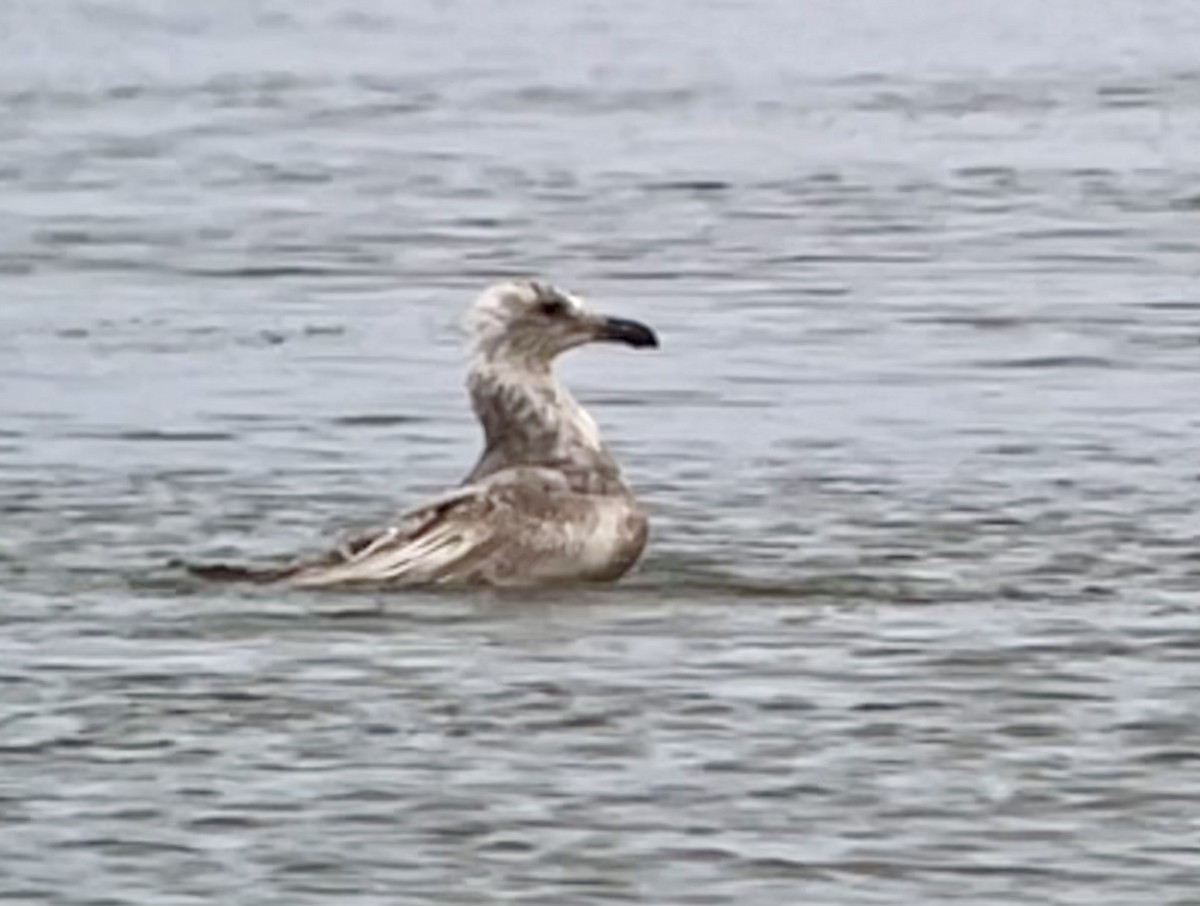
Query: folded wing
[{"x": 497, "y": 528}]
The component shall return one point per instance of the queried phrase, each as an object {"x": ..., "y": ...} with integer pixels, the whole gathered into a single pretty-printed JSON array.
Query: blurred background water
[{"x": 918, "y": 623}]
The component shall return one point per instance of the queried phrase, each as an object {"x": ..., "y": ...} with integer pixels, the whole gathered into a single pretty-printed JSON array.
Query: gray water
[{"x": 918, "y": 622}]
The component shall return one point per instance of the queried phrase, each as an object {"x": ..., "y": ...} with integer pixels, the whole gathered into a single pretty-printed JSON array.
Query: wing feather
[{"x": 471, "y": 532}]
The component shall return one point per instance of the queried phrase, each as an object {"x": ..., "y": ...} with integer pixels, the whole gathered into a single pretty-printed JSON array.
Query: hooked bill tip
[{"x": 631, "y": 333}]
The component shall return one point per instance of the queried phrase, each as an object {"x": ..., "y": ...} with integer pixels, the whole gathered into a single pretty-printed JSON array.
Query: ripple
[{"x": 917, "y": 623}]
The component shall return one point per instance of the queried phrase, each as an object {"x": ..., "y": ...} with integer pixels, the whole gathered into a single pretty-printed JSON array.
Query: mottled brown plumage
[{"x": 546, "y": 501}]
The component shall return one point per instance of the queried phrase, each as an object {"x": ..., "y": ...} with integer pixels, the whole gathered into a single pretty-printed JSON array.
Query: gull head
[{"x": 527, "y": 322}]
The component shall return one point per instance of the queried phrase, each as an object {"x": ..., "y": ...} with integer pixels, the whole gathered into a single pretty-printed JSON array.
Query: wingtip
[{"x": 232, "y": 573}]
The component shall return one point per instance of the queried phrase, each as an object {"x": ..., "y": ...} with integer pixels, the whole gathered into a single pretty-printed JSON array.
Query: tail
[{"x": 229, "y": 572}]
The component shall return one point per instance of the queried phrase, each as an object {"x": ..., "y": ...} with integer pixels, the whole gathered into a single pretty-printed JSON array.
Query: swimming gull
[{"x": 546, "y": 501}]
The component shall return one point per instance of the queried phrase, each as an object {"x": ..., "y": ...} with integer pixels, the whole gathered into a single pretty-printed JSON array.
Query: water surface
[{"x": 918, "y": 620}]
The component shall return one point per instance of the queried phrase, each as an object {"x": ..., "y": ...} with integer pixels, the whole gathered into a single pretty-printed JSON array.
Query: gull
[{"x": 546, "y": 501}]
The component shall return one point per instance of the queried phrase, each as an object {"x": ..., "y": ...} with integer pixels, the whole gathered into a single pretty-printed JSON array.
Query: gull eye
[{"x": 553, "y": 308}]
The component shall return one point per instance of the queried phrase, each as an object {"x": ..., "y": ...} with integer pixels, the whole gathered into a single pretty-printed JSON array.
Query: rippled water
[{"x": 919, "y": 620}]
